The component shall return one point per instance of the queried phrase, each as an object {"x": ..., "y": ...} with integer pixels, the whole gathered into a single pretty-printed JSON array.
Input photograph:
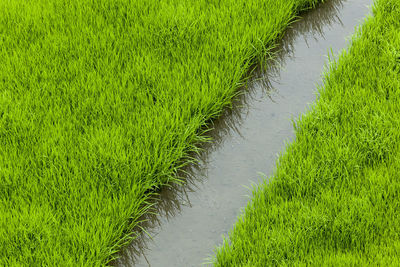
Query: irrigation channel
[{"x": 247, "y": 140}]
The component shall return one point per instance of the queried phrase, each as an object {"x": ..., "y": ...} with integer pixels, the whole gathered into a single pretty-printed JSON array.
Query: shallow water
[{"x": 247, "y": 140}]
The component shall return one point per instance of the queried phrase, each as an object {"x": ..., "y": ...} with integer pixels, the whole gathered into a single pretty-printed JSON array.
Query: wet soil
[{"x": 247, "y": 140}]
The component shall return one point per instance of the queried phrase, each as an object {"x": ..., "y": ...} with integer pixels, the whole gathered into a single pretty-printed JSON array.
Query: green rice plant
[
  {"x": 334, "y": 198},
  {"x": 102, "y": 102}
]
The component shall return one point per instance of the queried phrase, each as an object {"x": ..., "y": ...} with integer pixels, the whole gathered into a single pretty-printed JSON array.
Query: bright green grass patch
[
  {"x": 334, "y": 199},
  {"x": 101, "y": 103}
]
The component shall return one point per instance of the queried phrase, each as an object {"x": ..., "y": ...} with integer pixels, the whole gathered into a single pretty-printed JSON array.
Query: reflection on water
[{"x": 246, "y": 140}]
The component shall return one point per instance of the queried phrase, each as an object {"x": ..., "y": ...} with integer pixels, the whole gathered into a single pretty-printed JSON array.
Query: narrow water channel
[{"x": 193, "y": 217}]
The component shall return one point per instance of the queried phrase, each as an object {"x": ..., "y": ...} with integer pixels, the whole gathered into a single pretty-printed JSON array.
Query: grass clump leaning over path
[
  {"x": 334, "y": 198},
  {"x": 101, "y": 103}
]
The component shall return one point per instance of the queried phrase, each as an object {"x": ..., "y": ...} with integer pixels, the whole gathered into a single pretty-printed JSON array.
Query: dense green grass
[
  {"x": 102, "y": 101},
  {"x": 334, "y": 198}
]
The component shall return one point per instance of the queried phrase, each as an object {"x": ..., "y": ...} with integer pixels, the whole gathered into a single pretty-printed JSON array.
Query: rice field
[
  {"x": 102, "y": 102},
  {"x": 333, "y": 199}
]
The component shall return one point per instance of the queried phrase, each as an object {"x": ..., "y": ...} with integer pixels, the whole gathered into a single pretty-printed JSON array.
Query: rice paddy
[
  {"x": 333, "y": 199},
  {"x": 102, "y": 102}
]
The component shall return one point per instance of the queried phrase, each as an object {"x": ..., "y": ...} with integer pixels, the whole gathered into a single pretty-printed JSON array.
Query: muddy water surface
[{"x": 247, "y": 140}]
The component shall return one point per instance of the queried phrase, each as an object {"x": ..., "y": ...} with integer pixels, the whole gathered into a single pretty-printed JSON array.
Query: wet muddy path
[{"x": 193, "y": 217}]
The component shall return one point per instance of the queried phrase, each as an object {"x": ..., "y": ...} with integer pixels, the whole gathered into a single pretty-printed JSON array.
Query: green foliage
[
  {"x": 101, "y": 102},
  {"x": 334, "y": 198}
]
